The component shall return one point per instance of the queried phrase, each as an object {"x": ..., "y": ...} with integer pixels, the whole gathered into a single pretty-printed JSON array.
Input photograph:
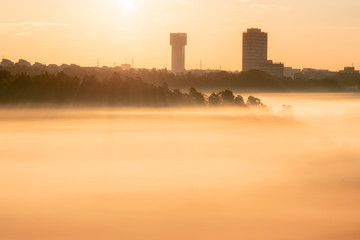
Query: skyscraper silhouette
[
  {"x": 178, "y": 42},
  {"x": 255, "y": 45}
]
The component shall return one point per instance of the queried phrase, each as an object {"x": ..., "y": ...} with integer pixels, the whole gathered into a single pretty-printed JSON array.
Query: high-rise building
[
  {"x": 255, "y": 45},
  {"x": 178, "y": 41}
]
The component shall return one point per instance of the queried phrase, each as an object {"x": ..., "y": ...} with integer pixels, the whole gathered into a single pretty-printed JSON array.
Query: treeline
[
  {"x": 258, "y": 81},
  {"x": 116, "y": 90},
  {"x": 250, "y": 81}
]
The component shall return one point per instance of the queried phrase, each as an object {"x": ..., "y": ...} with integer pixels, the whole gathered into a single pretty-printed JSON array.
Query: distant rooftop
[
  {"x": 179, "y": 34},
  {"x": 178, "y": 38},
  {"x": 254, "y": 30}
]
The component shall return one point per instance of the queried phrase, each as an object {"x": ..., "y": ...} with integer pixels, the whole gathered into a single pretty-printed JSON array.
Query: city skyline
[{"x": 116, "y": 31}]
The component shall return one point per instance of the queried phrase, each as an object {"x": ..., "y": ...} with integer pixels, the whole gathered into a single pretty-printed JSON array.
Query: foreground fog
[{"x": 191, "y": 174}]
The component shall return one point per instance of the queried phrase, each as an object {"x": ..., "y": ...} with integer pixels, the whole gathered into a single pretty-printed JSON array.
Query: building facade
[
  {"x": 349, "y": 70},
  {"x": 255, "y": 45},
  {"x": 291, "y": 72},
  {"x": 274, "y": 69},
  {"x": 178, "y": 41},
  {"x": 255, "y": 57}
]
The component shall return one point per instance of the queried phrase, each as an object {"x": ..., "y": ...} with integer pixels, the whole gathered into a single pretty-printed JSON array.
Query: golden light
[{"x": 128, "y": 5}]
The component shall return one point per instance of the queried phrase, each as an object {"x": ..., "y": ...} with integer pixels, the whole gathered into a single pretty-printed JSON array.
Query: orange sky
[{"x": 318, "y": 34}]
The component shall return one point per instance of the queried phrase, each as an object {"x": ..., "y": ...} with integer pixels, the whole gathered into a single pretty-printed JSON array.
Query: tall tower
[
  {"x": 178, "y": 41},
  {"x": 255, "y": 45}
]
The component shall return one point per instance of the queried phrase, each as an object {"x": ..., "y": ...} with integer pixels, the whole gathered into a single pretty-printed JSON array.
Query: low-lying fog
[{"x": 157, "y": 174}]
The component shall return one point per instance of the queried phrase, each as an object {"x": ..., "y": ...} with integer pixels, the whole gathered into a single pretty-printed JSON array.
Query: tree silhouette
[
  {"x": 254, "y": 102},
  {"x": 239, "y": 100},
  {"x": 227, "y": 97},
  {"x": 198, "y": 98},
  {"x": 214, "y": 100},
  {"x": 115, "y": 90}
]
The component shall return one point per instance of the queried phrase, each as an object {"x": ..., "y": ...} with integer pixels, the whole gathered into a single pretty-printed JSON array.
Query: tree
[
  {"x": 239, "y": 100},
  {"x": 197, "y": 97},
  {"x": 214, "y": 100},
  {"x": 227, "y": 97},
  {"x": 254, "y": 102}
]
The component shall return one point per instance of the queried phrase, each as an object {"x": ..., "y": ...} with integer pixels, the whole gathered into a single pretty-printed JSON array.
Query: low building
[
  {"x": 274, "y": 69},
  {"x": 291, "y": 72},
  {"x": 349, "y": 70},
  {"x": 310, "y": 73}
]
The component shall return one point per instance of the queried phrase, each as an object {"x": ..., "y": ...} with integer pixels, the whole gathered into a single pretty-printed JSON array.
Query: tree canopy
[{"x": 116, "y": 90}]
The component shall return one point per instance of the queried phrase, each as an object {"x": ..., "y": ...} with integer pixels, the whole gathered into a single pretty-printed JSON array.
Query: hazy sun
[{"x": 128, "y": 5}]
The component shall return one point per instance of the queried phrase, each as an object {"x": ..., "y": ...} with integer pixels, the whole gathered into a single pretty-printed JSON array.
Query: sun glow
[{"x": 128, "y": 5}]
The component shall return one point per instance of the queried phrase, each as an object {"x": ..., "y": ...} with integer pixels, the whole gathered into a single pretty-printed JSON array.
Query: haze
[
  {"x": 183, "y": 173},
  {"x": 318, "y": 34}
]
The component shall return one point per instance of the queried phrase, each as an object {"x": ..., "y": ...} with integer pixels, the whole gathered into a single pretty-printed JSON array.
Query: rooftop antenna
[{"x": 201, "y": 65}]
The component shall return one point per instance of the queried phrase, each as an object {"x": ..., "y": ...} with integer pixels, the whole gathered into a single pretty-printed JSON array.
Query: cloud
[{"x": 24, "y": 29}]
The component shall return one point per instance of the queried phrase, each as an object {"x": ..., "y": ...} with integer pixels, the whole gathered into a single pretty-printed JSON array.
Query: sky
[{"x": 323, "y": 34}]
